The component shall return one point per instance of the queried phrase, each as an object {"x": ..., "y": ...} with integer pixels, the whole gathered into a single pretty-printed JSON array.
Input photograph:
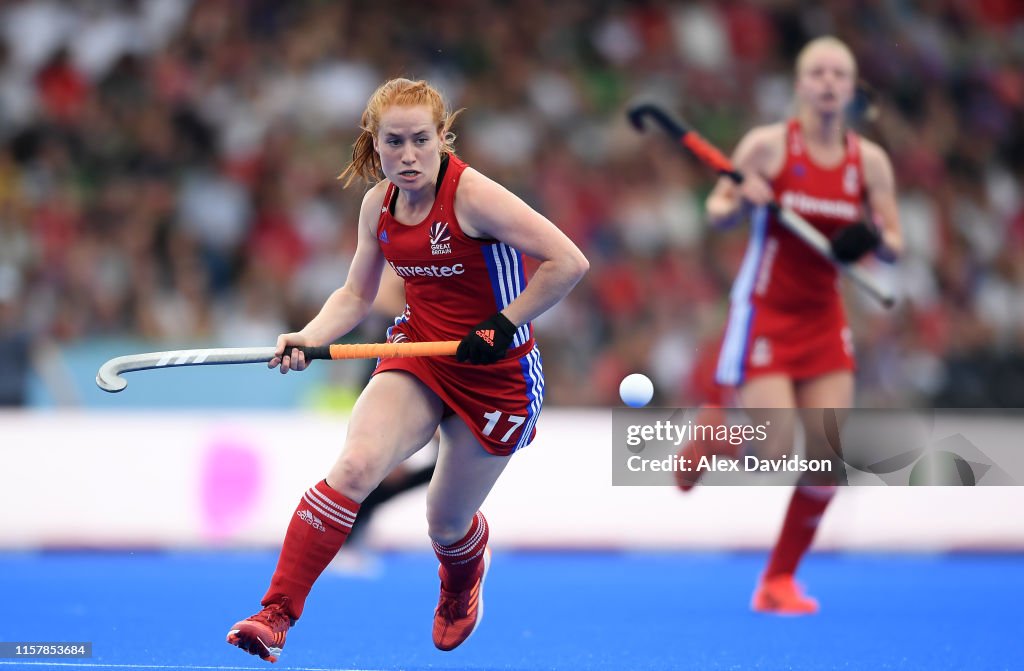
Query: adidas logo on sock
[
  {"x": 487, "y": 336},
  {"x": 311, "y": 519}
]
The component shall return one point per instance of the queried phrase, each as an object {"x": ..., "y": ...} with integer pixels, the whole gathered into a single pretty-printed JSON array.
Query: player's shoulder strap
[
  {"x": 452, "y": 168},
  {"x": 794, "y": 139},
  {"x": 852, "y": 146},
  {"x": 389, "y": 199}
]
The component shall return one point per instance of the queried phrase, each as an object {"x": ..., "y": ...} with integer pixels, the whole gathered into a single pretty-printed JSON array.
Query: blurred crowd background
[{"x": 167, "y": 172}]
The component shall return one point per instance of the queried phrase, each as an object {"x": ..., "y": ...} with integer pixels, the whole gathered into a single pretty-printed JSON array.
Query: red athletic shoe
[
  {"x": 782, "y": 595},
  {"x": 694, "y": 450},
  {"x": 263, "y": 634},
  {"x": 458, "y": 614}
]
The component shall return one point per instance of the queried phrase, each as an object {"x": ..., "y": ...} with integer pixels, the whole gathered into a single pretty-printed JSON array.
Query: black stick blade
[{"x": 640, "y": 112}]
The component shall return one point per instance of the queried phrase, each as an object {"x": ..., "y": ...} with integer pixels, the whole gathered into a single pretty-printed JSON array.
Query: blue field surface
[{"x": 571, "y": 610}]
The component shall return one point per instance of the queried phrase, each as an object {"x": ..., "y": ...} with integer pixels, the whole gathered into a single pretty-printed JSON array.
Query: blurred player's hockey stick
[
  {"x": 800, "y": 227},
  {"x": 109, "y": 376}
]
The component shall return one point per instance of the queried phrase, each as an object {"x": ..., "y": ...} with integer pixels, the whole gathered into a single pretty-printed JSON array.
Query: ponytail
[{"x": 365, "y": 163}]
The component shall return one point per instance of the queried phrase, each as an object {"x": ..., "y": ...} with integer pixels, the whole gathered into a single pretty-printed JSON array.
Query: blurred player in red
[
  {"x": 787, "y": 344},
  {"x": 457, "y": 239}
]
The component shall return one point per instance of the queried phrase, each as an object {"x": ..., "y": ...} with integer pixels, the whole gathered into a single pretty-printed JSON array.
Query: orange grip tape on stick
[
  {"x": 394, "y": 349},
  {"x": 707, "y": 152}
]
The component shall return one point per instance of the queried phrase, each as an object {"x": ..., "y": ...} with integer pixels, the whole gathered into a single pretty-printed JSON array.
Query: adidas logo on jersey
[
  {"x": 311, "y": 519},
  {"x": 440, "y": 239}
]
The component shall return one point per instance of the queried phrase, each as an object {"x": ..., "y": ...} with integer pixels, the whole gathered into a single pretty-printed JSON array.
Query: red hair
[{"x": 365, "y": 162}]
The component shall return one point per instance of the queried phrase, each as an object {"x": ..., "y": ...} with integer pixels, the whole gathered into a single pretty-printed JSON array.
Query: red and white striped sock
[
  {"x": 802, "y": 518},
  {"x": 319, "y": 527},
  {"x": 460, "y": 561}
]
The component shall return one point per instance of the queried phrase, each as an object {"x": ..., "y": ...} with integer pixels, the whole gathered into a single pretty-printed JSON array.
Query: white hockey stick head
[{"x": 109, "y": 377}]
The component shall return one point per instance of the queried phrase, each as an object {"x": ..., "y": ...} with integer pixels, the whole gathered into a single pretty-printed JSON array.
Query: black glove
[
  {"x": 854, "y": 241},
  {"x": 488, "y": 340}
]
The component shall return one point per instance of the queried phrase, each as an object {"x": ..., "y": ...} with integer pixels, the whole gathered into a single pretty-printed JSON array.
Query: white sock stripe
[
  {"x": 324, "y": 513},
  {"x": 317, "y": 508},
  {"x": 441, "y": 550},
  {"x": 324, "y": 500},
  {"x": 481, "y": 529},
  {"x": 470, "y": 558},
  {"x": 467, "y": 547},
  {"x": 328, "y": 511}
]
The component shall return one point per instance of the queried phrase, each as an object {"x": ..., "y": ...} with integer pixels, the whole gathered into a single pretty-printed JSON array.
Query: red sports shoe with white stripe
[
  {"x": 458, "y": 614},
  {"x": 317, "y": 530},
  {"x": 264, "y": 633}
]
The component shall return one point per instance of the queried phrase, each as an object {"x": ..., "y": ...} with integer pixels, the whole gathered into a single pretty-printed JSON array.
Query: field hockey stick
[
  {"x": 109, "y": 376},
  {"x": 800, "y": 227}
]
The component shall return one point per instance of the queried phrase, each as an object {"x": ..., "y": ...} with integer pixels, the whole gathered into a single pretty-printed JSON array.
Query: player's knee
[
  {"x": 355, "y": 474},
  {"x": 445, "y": 527}
]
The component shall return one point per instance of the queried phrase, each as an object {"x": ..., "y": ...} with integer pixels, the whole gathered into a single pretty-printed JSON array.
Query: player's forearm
[
  {"x": 341, "y": 313},
  {"x": 550, "y": 284}
]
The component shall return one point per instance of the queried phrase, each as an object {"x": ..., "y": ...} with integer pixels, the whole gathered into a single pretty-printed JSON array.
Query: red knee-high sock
[
  {"x": 460, "y": 561},
  {"x": 805, "y": 510},
  {"x": 318, "y": 529}
]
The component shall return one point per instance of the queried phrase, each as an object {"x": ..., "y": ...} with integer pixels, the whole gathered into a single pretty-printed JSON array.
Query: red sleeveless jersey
[
  {"x": 452, "y": 281},
  {"x": 779, "y": 270}
]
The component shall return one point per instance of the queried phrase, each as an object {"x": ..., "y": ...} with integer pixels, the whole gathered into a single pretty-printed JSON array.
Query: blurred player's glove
[
  {"x": 854, "y": 241},
  {"x": 488, "y": 340}
]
